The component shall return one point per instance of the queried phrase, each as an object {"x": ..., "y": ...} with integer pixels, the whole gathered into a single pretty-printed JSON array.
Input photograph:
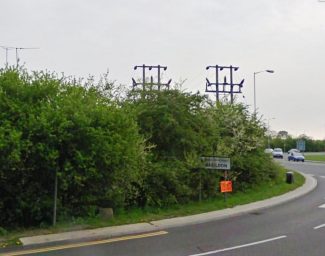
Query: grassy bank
[{"x": 259, "y": 192}]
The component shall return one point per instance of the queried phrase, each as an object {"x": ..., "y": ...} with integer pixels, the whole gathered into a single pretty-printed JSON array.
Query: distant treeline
[
  {"x": 115, "y": 148},
  {"x": 290, "y": 142}
]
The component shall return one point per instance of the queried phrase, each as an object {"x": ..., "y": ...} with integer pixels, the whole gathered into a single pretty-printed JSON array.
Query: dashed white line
[
  {"x": 240, "y": 246},
  {"x": 321, "y": 206},
  {"x": 320, "y": 226}
]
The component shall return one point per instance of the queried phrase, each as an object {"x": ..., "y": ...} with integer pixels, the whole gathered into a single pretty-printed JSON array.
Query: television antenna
[{"x": 8, "y": 48}]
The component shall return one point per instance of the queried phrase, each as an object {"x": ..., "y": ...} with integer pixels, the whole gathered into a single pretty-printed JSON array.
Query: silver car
[{"x": 277, "y": 153}]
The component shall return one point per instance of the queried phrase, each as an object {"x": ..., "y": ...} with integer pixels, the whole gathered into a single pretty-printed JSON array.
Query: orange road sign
[{"x": 226, "y": 186}]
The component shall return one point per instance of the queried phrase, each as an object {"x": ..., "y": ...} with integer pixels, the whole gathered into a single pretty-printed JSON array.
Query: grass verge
[
  {"x": 259, "y": 192},
  {"x": 320, "y": 158}
]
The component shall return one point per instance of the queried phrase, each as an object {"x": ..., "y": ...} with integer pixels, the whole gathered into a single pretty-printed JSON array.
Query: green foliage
[
  {"x": 171, "y": 121},
  {"x": 290, "y": 142},
  {"x": 3, "y": 232},
  {"x": 167, "y": 184},
  {"x": 48, "y": 126},
  {"x": 183, "y": 127},
  {"x": 113, "y": 149}
]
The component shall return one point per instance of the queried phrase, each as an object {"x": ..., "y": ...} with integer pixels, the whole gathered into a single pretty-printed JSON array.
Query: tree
[{"x": 283, "y": 134}]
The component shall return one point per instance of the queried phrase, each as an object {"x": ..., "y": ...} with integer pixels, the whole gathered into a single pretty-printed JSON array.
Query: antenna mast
[{"x": 8, "y": 48}]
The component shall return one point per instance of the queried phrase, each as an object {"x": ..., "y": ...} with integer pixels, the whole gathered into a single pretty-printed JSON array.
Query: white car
[
  {"x": 293, "y": 150},
  {"x": 268, "y": 150},
  {"x": 277, "y": 153}
]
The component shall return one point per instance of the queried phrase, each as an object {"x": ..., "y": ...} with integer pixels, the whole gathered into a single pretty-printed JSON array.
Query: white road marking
[
  {"x": 240, "y": 246},
  {"x": 321, "y": 206},
  {"x": 320, "y": 226}
]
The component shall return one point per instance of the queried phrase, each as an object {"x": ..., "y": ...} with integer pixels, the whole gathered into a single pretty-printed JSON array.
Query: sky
[{"x": 81, "y": 38}]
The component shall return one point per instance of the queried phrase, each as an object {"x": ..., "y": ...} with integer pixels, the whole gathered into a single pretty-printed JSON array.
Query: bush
[
  {"x": 51, "y": 125},
  {"x": 167, "y": 183},
  {"x": 3, "y": 232}
]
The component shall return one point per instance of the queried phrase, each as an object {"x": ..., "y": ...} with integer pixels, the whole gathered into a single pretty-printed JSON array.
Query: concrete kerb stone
[
  {"x": 309, "y": 185},
  {"x": 130, "y": 229}
]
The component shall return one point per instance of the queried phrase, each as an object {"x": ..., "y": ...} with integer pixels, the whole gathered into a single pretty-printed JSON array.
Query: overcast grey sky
[{"x": 80, "y": 37}]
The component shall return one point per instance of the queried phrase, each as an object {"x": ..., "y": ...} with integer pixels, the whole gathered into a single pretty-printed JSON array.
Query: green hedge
[{"x": 141, "y": 149}]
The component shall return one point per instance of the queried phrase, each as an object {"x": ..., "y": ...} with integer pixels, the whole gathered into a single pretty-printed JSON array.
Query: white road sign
[{"x": 219, "y": 163}]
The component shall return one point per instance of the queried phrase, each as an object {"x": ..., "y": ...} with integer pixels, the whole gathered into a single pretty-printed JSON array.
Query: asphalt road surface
[{"x": 294, "y": 228}]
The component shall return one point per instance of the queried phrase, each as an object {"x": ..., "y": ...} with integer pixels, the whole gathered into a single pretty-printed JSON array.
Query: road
[{"x": 293, "y": 228}]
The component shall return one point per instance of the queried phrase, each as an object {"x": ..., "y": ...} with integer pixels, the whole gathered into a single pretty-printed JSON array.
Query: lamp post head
[{"x": 269, "y": 71}]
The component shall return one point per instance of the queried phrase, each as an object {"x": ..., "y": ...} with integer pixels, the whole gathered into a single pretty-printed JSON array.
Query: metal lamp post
[
  {"x": 268, "y": 127},
  {"x": 255, "y": 73}
]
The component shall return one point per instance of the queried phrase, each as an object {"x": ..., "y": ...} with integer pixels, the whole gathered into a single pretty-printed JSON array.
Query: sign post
[
  {"x": 220, "y": 163},
  {"x": 216, "y": 163},
  {"x": 301, "y": 145}
]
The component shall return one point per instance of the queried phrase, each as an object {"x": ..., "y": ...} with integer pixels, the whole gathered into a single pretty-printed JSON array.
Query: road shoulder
[{"x": 107, "y": 232}]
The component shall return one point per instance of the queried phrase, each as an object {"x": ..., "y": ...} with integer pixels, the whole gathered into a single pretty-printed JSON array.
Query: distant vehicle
[
  {"x": 296, "y": 157},
  {"x": 293, "y": 150},
  {"x": 277, "y": 153},
  {"x": 268, "y": 150}
]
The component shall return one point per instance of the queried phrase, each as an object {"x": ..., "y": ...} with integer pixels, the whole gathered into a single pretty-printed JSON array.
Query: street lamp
[
  {"x": 269, "y": 131},
  {"x": 255, "y": 73}
]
